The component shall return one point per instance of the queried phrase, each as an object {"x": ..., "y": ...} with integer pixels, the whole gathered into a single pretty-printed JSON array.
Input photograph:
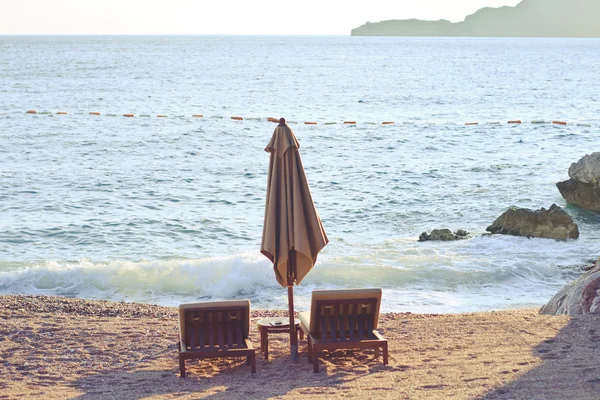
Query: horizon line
[{"x": 173, "y": 34}]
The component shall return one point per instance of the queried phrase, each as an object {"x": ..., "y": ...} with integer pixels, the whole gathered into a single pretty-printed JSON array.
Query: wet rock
[
  {"x": 587, "y": 169},
  {"x": 583, "y": 189},
  {"x": 581, "y": 296},
  {"x": 443, "y": 234},
  {"x": 584, "y": 195},
  {"x": 553, "y": 223}
]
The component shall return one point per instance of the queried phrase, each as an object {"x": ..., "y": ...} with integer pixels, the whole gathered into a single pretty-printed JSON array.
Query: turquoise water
[{"x": 170, "y": 210}]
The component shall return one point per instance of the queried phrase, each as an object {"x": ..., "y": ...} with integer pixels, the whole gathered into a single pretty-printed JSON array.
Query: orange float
[
  {"x": 128, "y": 115},
  {"x": 516, "y": 121},
  {"x": 162, "y": 116},
  {"x": 310, "y": 123},
  {"x": 350, "y": 122},
  {"x": 31, "y": 112},
  {"x": 61, "y": 113},
  {"x": 198, "y": 116},
  {"x": 387, "y": 123},
  {"x": 559, "y": 122},
  {"x": 237, "y": 118},
  {"x": 272, "y": 120},
  {"x": 94, "y": 113},
  {"x": 471, "y": 123}
]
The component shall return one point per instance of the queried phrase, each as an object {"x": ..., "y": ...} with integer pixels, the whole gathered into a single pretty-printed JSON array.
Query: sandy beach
[{"x": 59, "y": 348}]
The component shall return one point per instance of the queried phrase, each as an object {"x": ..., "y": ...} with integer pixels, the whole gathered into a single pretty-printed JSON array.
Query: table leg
[
  {"x": 266, "y": 345},
  {"x": 262, "y": 339}
]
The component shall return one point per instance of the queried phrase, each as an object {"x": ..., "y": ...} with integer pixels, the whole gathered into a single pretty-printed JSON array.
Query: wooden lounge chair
[
  {"x": 343, "y": 319},
  {"x": 214, "y": 330}
]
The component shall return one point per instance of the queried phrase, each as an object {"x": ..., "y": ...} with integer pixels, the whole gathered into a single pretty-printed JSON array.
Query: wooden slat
[
  {"x": 230, "y": 325},
  {"x": 325, "y": 318},
  {"x": 240, "y": 322},
  {"x": 201, "y": 332},
  {"x": 207, "y": 328},
  {"x": 370, "y": 324},
  {"x": 332, "y": 321},
  {"x": 210, "y": 324},
  {"x": 220, "y": 326},
  {"x": 190, "y": 330},
  {"x": 361, "y": 326},
  {"x": 199, "y": 343},
  {"x": 239, "y": 328},
  {"x": 194, "y": 326},
  {"x": 321, "y": 310},
  {"x": 343, "y": 321},
  {"x": 189, "y": 333}
]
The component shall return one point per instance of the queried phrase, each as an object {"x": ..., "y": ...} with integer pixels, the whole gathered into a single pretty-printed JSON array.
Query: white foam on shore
[
  {"x": 483, "y": 273},
  {"x": 217, "y": 277}
]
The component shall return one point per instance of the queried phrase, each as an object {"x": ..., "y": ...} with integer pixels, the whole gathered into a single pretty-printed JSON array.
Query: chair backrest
[
  {"x": 214, "y": 324},
  {"x": 344, "y": 314}
]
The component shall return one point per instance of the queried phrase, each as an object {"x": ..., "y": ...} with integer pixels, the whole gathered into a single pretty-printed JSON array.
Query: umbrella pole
[{"x": 293, "y": 333}]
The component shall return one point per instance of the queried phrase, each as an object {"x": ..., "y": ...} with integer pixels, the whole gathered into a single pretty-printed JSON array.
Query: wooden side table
[{"x": 274, "y": 325}]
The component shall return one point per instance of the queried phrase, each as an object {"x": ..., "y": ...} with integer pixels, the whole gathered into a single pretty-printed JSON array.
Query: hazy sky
[{"x": 272, "y": 17}]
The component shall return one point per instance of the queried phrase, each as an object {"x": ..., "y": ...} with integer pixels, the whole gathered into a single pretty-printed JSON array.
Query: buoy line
[{"x": 313, "y": 122}]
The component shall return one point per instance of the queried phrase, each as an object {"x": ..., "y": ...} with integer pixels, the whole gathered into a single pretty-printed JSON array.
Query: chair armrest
[
  {"x": 310, "y": 336},
  {"x": 248, "y": 344},
  {"x": 304, "y": 328},
  {"x": 378, "y": 335}
]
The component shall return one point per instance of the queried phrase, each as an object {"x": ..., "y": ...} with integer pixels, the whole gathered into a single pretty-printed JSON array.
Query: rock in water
[
  {"x": 584, "y": 195},
  {"x": 443, "y": 234},
  {"x": 583, "y": 188},
  {"x": 553, "y": 223},
  {"x": 581, "y": 296},
  {"x": 587, "y": 169}
]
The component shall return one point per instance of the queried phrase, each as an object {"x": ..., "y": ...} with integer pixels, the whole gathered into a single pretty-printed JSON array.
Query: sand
[{"x": 58, "y": 348}]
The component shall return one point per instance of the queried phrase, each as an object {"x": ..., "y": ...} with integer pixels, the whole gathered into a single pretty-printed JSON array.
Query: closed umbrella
[{"x": 293, "y": 233}]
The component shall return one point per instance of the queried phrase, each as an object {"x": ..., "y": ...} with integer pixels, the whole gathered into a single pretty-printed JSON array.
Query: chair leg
[
  {"x": 309, "y": 351},
  {"x": 253, "y": 362},
  {"x": 385, "y": 354},
  {"x": 182, "y": 367},
  {"x": 315, "y": 357},
  {"x": 376, "y": 352}
]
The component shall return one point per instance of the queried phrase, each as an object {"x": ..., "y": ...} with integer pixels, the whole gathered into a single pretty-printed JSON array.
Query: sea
[{"x": 170, "y": 210}]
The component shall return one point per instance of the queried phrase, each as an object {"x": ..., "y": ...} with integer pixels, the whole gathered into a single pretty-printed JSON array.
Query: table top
[{"x": 276, "y": 322}]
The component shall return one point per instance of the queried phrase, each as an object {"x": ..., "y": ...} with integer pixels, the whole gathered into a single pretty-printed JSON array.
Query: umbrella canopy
[{"x": 293, "y": 234}]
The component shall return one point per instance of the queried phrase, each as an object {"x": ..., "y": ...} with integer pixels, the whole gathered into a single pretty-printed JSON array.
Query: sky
[{"x": 222, "y": 17}]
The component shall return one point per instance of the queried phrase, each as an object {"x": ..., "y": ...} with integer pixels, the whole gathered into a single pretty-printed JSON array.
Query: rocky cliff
[{"x": 530, "y": 18}]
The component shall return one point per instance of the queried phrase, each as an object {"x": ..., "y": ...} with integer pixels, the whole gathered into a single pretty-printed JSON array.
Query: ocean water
[{"x": 170, "y": 210}]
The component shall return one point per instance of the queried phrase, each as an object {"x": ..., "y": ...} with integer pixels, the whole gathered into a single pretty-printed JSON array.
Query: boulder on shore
[
  {"x": 443, "y": 234},
  {"x": 581, "y": 296},
  {"x": 583, "y": 189},
  {"x": 553, "y": 223}
]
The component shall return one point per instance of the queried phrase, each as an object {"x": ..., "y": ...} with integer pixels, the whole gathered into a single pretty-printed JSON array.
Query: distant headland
[{"x": 530, "y": 18}]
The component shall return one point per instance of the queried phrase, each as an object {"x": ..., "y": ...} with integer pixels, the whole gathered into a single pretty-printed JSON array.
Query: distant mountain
[{"x": 530, "y": 18}]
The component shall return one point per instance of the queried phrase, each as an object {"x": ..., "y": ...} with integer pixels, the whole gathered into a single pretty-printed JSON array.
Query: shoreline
[{"x": 56, "y": 348}]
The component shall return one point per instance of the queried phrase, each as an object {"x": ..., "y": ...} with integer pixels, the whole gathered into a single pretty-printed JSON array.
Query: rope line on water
[{"x": 313, "y": 122}]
